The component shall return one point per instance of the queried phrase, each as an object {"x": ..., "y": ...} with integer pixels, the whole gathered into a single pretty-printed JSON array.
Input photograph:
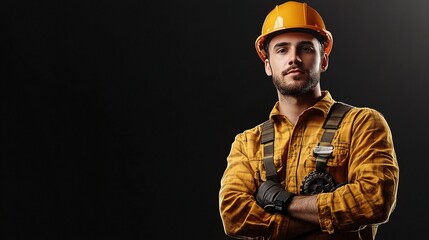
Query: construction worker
[{"x": 317, "y": 168}]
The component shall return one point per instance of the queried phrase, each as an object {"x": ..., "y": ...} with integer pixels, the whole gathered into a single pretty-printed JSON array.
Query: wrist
[{"x": 283, "y": 201}]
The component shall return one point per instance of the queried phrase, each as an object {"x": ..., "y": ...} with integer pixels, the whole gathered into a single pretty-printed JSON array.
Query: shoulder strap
[
  {"x": 323, "y": 150},
  {"x": 267, "y": 139}
]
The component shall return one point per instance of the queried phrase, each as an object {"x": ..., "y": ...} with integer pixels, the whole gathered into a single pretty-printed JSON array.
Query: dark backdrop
[{"x": 117, "y": 116}]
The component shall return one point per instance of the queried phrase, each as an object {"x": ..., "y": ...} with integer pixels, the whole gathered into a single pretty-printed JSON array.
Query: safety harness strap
[
  {"x": 267, "y": 139},
  {"x": 324, "y": 149}
]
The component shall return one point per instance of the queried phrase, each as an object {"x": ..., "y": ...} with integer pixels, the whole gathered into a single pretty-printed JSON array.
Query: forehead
[{"x": 293, "y": 37}]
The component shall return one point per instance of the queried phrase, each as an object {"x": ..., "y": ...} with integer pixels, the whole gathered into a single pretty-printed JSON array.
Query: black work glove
[{"x": 273, "y": 197}]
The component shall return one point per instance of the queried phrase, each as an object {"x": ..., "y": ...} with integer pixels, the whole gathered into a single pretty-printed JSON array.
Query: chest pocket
[
  {"x": 340, "y": 155},
  {"x": 338, "y": 158}
]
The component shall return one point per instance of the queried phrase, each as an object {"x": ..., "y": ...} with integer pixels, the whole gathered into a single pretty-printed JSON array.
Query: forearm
[{"x": 304, "y": 208}]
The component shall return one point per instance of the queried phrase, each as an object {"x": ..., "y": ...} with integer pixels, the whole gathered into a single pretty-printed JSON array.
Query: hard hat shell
[{"x": 293, "y": 16}]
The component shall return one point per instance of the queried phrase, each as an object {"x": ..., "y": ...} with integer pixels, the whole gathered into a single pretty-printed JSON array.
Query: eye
[
  {"x": 281, "y": 50},
  {"x": 307, "y": 49}
]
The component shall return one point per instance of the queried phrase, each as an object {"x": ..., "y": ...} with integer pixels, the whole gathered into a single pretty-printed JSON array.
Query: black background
[{"x": 117, "y": 116}]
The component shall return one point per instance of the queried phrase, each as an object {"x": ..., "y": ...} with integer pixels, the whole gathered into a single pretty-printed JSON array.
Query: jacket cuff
[{"x": 325, "y": 219}]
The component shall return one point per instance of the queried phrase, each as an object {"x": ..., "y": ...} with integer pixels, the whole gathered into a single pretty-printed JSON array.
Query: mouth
[{"x": 294, "y": 71}]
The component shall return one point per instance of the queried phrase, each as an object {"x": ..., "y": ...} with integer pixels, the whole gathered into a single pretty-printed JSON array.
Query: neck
[{"x": 293, "y": 106}]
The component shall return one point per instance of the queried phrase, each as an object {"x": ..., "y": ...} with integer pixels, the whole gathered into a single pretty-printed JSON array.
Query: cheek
[{"x": 313, "y": 63}]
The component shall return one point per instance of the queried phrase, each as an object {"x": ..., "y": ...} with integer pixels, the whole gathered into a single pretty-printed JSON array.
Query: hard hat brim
[{"x": 320, "y": 34}]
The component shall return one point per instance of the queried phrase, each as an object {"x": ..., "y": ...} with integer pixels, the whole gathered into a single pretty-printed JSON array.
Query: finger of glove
[
  {"x": 261, "y": 192},
  {"x": 269, "y": 191},
  {"x": 283, "y": 196},
  {"x": 267, "y": 185}
]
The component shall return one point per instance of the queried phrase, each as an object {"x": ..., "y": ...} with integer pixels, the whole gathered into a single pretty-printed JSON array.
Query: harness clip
[{"x": 323, "y": 150}]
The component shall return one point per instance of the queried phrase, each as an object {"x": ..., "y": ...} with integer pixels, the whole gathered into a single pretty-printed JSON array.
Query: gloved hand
[{"x": 273, "y": 197}]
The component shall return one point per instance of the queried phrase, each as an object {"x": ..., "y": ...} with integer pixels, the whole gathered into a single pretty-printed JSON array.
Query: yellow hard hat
[{"x": 293, "y": 15}]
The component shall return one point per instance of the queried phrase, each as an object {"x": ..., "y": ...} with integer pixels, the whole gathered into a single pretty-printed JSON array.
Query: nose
[{"x": 294, "y": 57}]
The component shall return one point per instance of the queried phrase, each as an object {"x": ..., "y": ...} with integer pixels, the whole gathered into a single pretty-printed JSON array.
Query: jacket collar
[{"x": 323, "y": 105}]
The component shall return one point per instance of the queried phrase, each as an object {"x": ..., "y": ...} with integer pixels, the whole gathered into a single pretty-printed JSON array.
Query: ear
[
  {"x": 324, "y": 63},
  {"x": 268, "y": 67}
]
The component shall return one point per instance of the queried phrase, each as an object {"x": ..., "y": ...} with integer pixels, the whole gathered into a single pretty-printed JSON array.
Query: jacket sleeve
[
  {"x": 240, "y": 214},
  {"x": 373, "y": 174}
]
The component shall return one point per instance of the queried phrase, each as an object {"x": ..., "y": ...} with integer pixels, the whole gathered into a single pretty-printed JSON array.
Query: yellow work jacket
[{"x": 363, "y": 156}]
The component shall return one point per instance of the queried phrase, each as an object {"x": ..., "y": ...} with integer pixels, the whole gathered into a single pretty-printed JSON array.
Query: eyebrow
[{"x": 282, "y": 44}]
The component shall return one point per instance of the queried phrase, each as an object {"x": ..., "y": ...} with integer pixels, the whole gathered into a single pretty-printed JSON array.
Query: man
[{"x": 336, "y": 183}]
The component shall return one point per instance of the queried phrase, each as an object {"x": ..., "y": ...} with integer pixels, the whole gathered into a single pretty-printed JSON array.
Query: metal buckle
[{"x": 323, "y": 150}]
